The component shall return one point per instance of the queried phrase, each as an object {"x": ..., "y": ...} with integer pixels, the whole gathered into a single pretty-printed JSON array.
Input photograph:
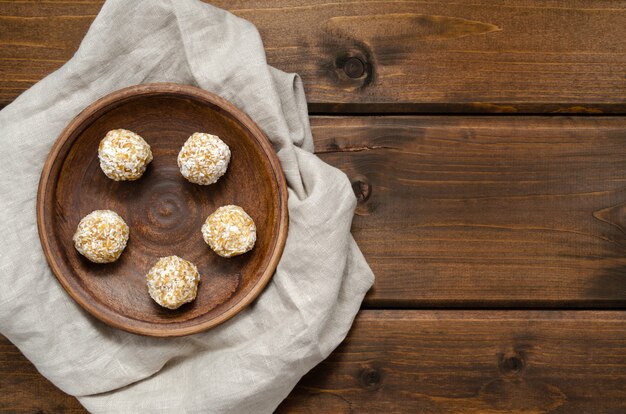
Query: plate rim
[{"x": 46, "y": 185}]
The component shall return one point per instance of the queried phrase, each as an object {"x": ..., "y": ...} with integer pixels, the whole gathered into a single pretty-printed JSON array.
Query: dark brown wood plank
[
  {"x": 472, "y": 362},
  {"x": 486, "y": 211},
  {"x": 431, "y": 361},
  {"x": 431, "y": 56}
]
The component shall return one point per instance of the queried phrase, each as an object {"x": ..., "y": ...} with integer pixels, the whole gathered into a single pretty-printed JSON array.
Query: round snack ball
[
  {"x": 173, "y": 281},
  {"x": 101, "y": 236},
  {"x": 229, "y": 231},
  {"x": 124, "y": 155},
  {"x": 203, "y": 159}
]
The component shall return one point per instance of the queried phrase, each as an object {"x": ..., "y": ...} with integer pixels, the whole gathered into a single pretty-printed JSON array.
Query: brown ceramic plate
[{"x": 164, "y": 211}]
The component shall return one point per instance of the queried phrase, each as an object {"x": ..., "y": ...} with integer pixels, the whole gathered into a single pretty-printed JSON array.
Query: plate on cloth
[{"x": 164, "y": 211}]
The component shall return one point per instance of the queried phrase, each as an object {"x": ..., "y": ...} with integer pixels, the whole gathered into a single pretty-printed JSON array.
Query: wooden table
[{"x": 486, "y": 142}]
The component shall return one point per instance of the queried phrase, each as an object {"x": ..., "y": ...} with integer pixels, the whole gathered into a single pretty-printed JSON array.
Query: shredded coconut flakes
[
  {"x": 173, "y": 281},
  {"x": 229, "y": 231},
  {"x": 203, "y": 159},
  {"x": 101, "y": 236},
  {"x": 124, "y": 155}
]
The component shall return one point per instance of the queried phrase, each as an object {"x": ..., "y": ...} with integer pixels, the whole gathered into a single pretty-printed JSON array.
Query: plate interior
[{"x": 163, "y": 210}]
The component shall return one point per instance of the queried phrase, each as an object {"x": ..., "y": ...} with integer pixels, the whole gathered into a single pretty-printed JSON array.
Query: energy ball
[
  {"x": 203, "y": 159},
  {"x": 101, "y": 236},
  {"x": 229, "y": 231},
  {"x": 124, "y": 155},
  {"x": 173, "y": 281}
]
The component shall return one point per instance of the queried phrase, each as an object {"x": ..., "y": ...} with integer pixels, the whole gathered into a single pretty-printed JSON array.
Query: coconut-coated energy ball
[
  {"x": 229, "y": 231},
  {"x": 101, "y": 236},
  {"x": 203, "y": 159},
  {"x": 173, "y": 281},
  {"x": 124, "y": 155}
]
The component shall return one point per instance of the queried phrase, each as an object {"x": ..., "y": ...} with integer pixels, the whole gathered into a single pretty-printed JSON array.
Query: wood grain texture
[
  {"x": 501, "y": 56},
  {"x": 163, "y": 210},
  {"x": 486, "y": 211},
  {"x": 431, "y": 362},
  {"x": 472, "y": 362}
]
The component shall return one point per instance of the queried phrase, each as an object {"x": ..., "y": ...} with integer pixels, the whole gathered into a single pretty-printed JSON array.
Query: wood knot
[
  {"x": 511, "y": 364},
  {"x": 362, "y": 188},
  {"x": 354, "y": 67},
  {"x": 614, "y": 215},
  {"x": 370, "y": 378}
]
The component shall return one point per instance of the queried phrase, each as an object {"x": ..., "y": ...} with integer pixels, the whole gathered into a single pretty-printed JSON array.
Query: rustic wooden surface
[
  {"x": 495, "y": 56},
  {"x": 484, "y": 212},
  {"x": 472, "y": 362},
  {"x": 431, "y": 361},
  {"x": 164, "y": 211}
]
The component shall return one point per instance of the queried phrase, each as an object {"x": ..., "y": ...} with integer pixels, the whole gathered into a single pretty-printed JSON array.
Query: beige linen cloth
[{"x": 248, "y": 364}]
